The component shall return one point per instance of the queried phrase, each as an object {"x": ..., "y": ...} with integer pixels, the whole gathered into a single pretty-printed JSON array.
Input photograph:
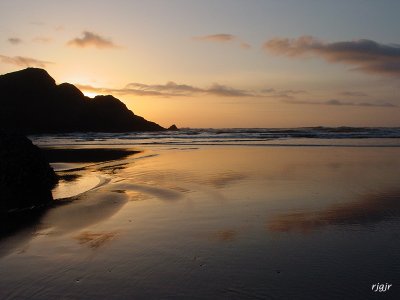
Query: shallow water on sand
[{"x": 218, "y": 223}]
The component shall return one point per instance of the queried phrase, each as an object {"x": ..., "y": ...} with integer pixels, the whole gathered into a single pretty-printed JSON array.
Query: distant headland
[{"x": 31, "y": 103}]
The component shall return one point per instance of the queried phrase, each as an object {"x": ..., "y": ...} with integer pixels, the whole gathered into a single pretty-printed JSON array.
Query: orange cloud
[
  {"x": 90, "y": 39},
  {"x": 366, "y": 55},
  {"x": 24, "y": 61}
]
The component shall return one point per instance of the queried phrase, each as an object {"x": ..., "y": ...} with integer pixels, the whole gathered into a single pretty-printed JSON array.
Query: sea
[{"x": 305, "y": 136}]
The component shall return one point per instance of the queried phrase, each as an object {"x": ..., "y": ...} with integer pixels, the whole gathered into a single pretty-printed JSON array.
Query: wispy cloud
[
  {"x": 220, "y": 37},
  {"x": 281, "y": 94},
  {"x": 245, "y": 45},
  {"x": 365, "y": 55},
  {"x": 335, "y": 102},
  {"x": 14, "y": 40},
  {"x": 171, "y": 89},
  {"x": 223, "y": 38},
  {"x": 24, "y": 61},
  {"x": 90, "y": 39},
  {"x": 226, "y": 91},
  {"x": 353, "y": 94}
]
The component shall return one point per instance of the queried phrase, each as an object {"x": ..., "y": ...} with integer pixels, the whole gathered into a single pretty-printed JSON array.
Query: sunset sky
[{"x": 218, "y": 63}]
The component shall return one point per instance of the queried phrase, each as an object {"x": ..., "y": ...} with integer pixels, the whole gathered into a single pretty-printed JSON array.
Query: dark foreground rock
[
  {"x": 31, "y": 102},
  {"x": 26, "y": 179}
]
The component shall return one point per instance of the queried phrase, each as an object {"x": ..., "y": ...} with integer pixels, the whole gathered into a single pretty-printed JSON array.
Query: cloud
[
  {"x": 353, "y": 94},
  {"x": 90, "y": 39},
  {"x": 24, "y": 61},
  {"x": 365, "y": 55},
  {"x": 282, "y": 94},
  {"x": 245, "y": 46},
  {"x": 221, "y": 37},
  {"x": 335, "y": 102},
  {"x": 124, "y": 91},
  {"x": 14, "y": 41},
  {"x": 42, "y": 39},
  {"x": 225, "y": 91},
  {"x": 171, "y": 89}
]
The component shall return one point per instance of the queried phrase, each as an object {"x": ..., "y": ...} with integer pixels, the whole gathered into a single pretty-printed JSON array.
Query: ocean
[{"x": 314, "y": 136}]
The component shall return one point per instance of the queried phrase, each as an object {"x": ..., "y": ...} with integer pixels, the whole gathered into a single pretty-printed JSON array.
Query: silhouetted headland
[{"x": 31, "y": 102}]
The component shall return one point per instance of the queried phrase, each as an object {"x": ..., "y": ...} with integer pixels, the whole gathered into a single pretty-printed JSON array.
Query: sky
[{"x": 218, "y": 63}]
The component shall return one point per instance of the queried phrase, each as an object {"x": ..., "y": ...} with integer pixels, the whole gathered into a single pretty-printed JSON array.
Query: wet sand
[
  {"x": 79, "y": 155},
  {"x": 214, "y": 223}
]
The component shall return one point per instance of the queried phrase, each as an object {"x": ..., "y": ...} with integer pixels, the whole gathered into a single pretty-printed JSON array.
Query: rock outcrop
[
  {"x": 31, "y": 102},
  {"x": 173, "y": 128},
  {"x": 26, "y": 178}
]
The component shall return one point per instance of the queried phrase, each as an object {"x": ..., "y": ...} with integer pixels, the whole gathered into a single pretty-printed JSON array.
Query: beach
[
  {"x": 199, "y": 150},
  {"x": 211, "y": 222}
]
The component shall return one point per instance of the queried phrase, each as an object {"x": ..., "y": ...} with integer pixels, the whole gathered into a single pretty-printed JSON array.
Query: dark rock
[
  {"x": 31, "y": 102},
  {"x": 26, "y": 178},
  {"x": 173, "y": 128}
]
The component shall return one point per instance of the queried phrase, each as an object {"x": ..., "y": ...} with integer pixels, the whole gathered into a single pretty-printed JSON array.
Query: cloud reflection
[{"x": 371, "y": 208}]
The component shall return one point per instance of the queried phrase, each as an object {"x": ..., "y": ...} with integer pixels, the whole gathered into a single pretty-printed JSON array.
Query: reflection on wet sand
[
  {"x": 212, "y": 238},
  {"x": 371, "y": 208},
  {"x": 95, "y": 240},
  {"x": 226, "y": 235},
  {"x": 160, "y": 193},
  {"x": 76, "y": 184},
  {"x": 91, "y": 208},
  {"x": 223, "y": 179}
]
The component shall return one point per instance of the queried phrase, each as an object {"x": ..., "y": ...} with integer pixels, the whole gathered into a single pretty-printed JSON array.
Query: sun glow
[{"x": 89, "y": 94}]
